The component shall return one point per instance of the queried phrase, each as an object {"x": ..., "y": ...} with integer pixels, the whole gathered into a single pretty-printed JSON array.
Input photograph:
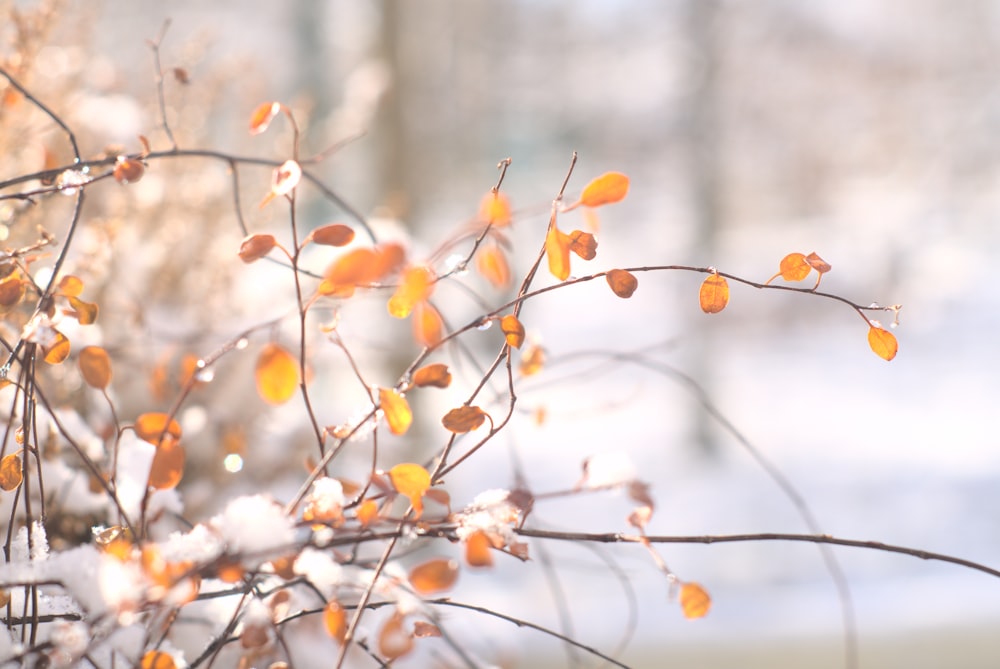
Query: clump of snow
[
  {"x": 491, "y": 512},
  {"x": 254, "y": 524},
  {"x": 320, "y": 568},
  {"x": 199, "y": 545}
]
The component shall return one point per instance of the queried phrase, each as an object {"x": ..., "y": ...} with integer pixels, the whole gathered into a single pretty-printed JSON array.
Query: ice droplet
[
  {"x": 242, "y": 343},
  {"x": 485, "y": 324},
  {"x": 455, "y": 264}
]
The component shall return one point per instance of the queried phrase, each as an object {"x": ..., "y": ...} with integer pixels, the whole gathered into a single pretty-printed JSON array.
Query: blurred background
[{"x": 863, "y": 130}]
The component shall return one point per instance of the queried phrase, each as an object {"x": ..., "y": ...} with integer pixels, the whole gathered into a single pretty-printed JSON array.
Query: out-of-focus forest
[{"x": 864, "y": 130}]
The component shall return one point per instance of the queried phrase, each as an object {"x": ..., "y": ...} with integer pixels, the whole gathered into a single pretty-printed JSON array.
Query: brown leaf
[
  {"x": 157, "y": 659},
  {"x": 435, "y": 374},
  {"x": 256, "y": 247},
  {"x": 423, "y": 629},
  {"x": 463, "y": 419},
  {"x": 623, "y": 283},
  {"x": 532, "y": 360},
  {"x": 128, "y": 170},
  {"x": 334, "y": 234},
  {"x": 12, "y": 289},
  {"x": 10, "y": 472},
  {"x": 95, "y": 366},
  {"x": 583, "y": 244}
]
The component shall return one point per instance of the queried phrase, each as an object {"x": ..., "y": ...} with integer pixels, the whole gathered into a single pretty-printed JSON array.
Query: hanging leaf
[
  {"x": 393, "y": 640},
  {"x": 95, "y": 366},
  {"x": 583, "y": 244},
  {"x": 532, "y": 360},
  {"x": 433, "y": 576},
  {"x": 168, "y": 464},
  {"x": 85, "y": 312},
  {"x": 435, "y": 374},
  {"x": 428, "y": 327},
  {"x": 262, "y": 116},
  {"x": 491, "y": 262},
  {"x": 694, "y": 600},
  {"x": 608, "y": 188},
  {"x": 335, "y": 620},
  {"x": 882, "y": 342},
  {"x": 277, "y": 374},
  {"x": 10, "y": 472},
  {"x": 557, "y": 249},
  {"x": 478, "y": 550},
  {"x": 714, "y": 294},
  {"x": 396, "y": 410},
  {"x": 12, "y": 289},
  {"x": 416, "y": 285},
  {"x": 463, "y": 419},
  {"x": 513, "y": 330},
  {"x": 622, "y": 283},
  {"x": 256, "y": 247},
  {"x": 58, "y": 349},
  {"x": 70, "y": 286},
  {"x": 411, "y": 481},
  {"x": 334, "y": 234},
  {"x": 157, "y": 659},
  {"x": 494, "y": 209},
  {"x": 153, "y": 426},
  {"x": 128, "y": 170}
]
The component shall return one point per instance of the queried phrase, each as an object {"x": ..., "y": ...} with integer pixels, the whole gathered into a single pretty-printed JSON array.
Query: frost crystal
[{"x": 70, "y": 181}]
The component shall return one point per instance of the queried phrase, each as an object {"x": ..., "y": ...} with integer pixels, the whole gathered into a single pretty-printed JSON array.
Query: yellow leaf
[
  {"x": 557, "y": 249},
  {"x": 622, "y": 283},
  {"x": 513, "y": 330},
  {"x": 695, "y": 601},
  {"x": 463, "y": 419},
  {"x": 433, "y": 576},
  {"x": 411, "y": 481},
  {"x": 396, "y": 410},
  {"x": 58, "y": 350},
  {"x": 495, "y": 208},
  {"x": 435, "y": 374},
  {"x": 882, "y": 342},
  {"x": 714, "y": 294},
  {"x": 605, "y": 189},
  {"x": 10, "y": 472},
  {"x": 335, "y": 619},
  {"x": 95, "y": 366},
  {"x": 416, "y": 286},
  {"x": 277, "y": 374}
]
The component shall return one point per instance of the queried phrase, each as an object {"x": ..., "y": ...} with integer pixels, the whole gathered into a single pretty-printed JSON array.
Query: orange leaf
[
  {"x": 128, "y": 170},
  {"x": 435, "y": 374},
  {"x": 256, "y": 247},
  {"x": 494, "y": 208},
  {"x": 11, "y": 290},
  {"x": 428, "y": 327},
  {"x": 882, "y": 342},
  {"x": 361, "y": 266},
  {"x": 463, "y": 419},
  {"x": 335, "y": 619},
  {"x": 58, "y": 350},
  {"x": 512, "y": 328},
  {"x": 793, "y": 267},
  {"x": 86, "y": 312},
  {"x": 411, "y": 481},
  {"x": 622, "y": 283},
  {"x": 153, "y": 426},
  {"x": 714, "y": 294},
  {"x": 367, "y": 512},
  {"x": 168, "y": 464},
  {"x": 605, "y": 189},
  {"x": 277, "y": 374},
  {"x": 334, "y": 234},
  {"x": 478, "y": 551},
  {"x": 157, "y": 659},
  {"x": 416, "y": 286},
  {"x": 396, "y": 410},
  {"x": 70, "y": 286},
  {"x": 492, "y": 264},
  {"x": 262, "y": 116},
  {"x": 434, "y": 576},
  {"x": 10, "y": 472},
  {"x": 695, "y": 601},
  {"x": 583, "y": 244},
  {"x": 95, "y": 365},
  {"x": 557, "y": 249},
  {"x": 393, "y": 640},
  {"x": 532, "y": 361}
]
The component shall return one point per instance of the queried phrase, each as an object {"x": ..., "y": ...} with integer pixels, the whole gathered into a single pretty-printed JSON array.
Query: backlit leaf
[
  {"x": 435, "y": 374},
  {"x": 95, "y": 366},
  {"x": 433, "y": 576},
  {"x": 694, "y": 600},
  {"x": 714, "y": 294},
  {"x": 335, "y": 620},
  {"x": 10, "y": 471},
  {"x": 128, "y": 170},
  {"x": 256, "y": 247},
  {"x": 583, "y": 244},
  {"x": 513, "y": 330},
  {"x": 86, "y": 312},
  {"x": 11, "y": 290},
  {"x": 262, "y": 116},
  {"x": 411, "y": 481},
  {"x": 622, "y": 283},
  {"x": 367, "y": 512},
  {"x": 334, "y": 234},
  {"x": 532, "y": 360},
  {"x": 154, "y": 425},
  {"x": 882, "y": 342},
  {"x": 277, "y": 374},
  {"x": 478, "y": 550},
  {"x": 494, "y": 208},
  {"x": 168, "y": 464},
  {"x": 58, "y": 349},
  {"x": 557, "y": 246},
  {"x": 491, "y": 262},
  {"x": 361, "y": 267},
  {"x": 393, "y": 639},
  {"x": 605, "y": 189},
  {"x": 793, "y": 267},
  {"x": 396, "y": 410},
  {"x": 428, "y": 327},
  {"x": 70, "y": 286},
  {"x": 157, "y": 659},
  {"x": 463, "y": 419},
  {"x": 416, "y": 285}
]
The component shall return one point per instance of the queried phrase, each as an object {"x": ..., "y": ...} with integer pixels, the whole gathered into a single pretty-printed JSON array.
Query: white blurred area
[{"x": 863, "y": 130}]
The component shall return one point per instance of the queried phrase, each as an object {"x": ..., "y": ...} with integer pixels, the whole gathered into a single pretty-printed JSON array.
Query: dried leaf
[
  {"x": 491, "y": 262},
  {"x": 434, "y": 576},
  {"x": 416, "y": 286},
  {"x": 463, "y": 419},
  {"x": 694, "y": 600},
  {"x": 168, "y": 464},
  {"x": 423, "y": 629},
  {"x": 435, "y": 374},
  {"x": 714, "y": 294},
  {"x": 335, "y": 619},
  {"x": 256, "y": 247},
  {"x": 393, "y": 640},
  {"x": 157, "y": 659},
  {"x": 85, "y": 312},
  {"x": 608, "y": 188},
  {"x": 411, "y": 481},
  {"x": 818, "y": 263},
  {"x": 428, "y": 326},
  {"x": 128, "y": 170},
  {"x": 277, "y": 374},
  {"x": 882, "y": 342},
  {"x": 478, "y": 550},
  {"x": 262, "y": 116},
  {"x": 58, "y": 349},
  {"x": 10, "y": 472},
  {"x": 95, "y": 365},
  {"x": 284, "y": 179},
  {"x": 396, "y": 410},
  {"x": 623, "y": 283},
  {"x": 557, "y": 246},
  {"x": 153, "y": 426},
  {"x": 334, "y": 234},
  {"x": 12, "y": 289},
  {"x": 583, "y": 244},
  {"x": 494, "y": 208},
  {"x": 513, "y": 330}
]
